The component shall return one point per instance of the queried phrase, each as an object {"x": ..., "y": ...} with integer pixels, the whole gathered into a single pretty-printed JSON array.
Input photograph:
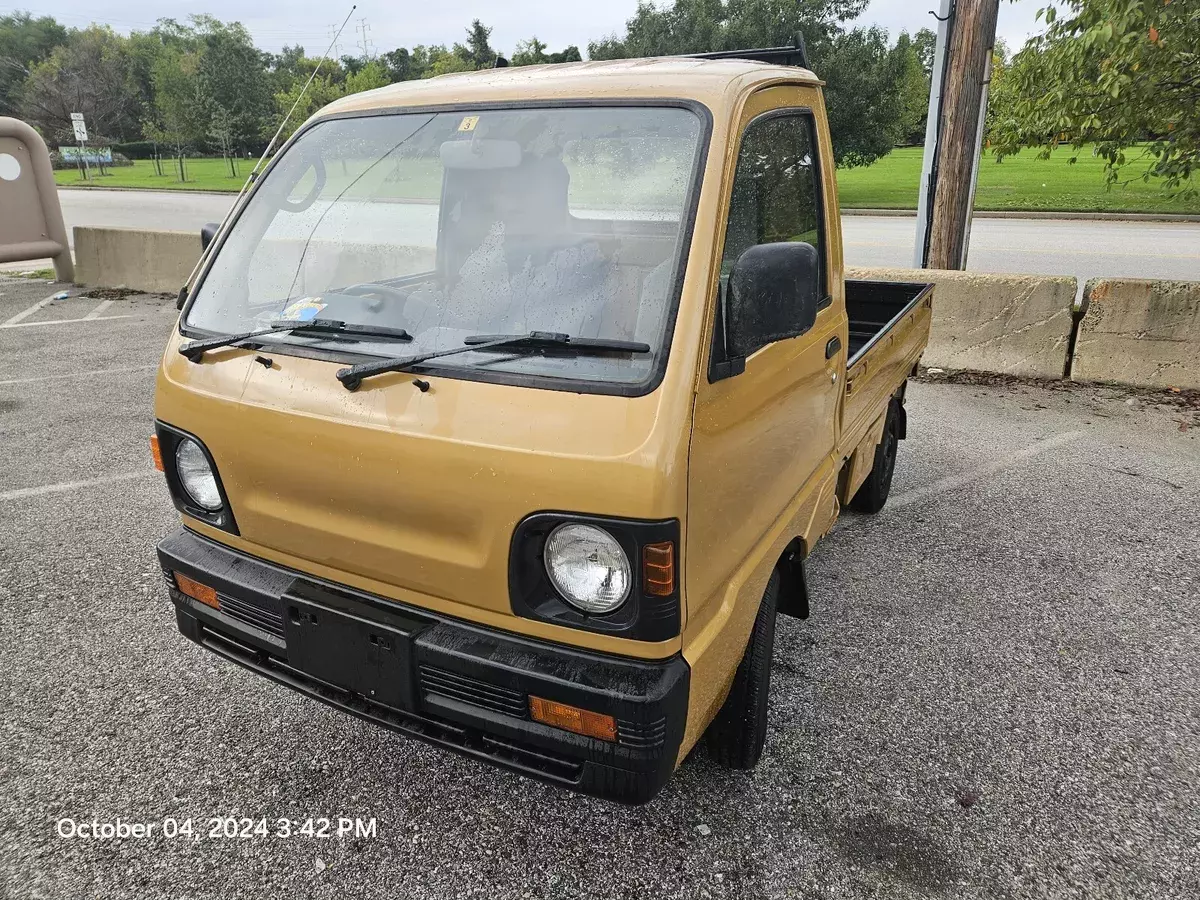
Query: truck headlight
[
  {"x": 588, "y": 567},
  {"x": 196, "y": 475}
]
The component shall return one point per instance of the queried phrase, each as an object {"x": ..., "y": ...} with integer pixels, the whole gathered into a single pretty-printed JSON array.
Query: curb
[
  {"x": 877, "y": 213},
  {"x": 1039, "y": 214},
  {"x": 233, "y": 192}
]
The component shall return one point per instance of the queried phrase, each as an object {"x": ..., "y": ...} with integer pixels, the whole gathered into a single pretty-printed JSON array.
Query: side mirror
[
  {"x": 207, "y": 233},
  {"x": 774, "y": 292}
]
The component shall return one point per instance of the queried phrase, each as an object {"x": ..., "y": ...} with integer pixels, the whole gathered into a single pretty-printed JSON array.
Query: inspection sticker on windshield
[
  {"x": 303, "y": 310},
  {"x": 468, "y": 123}
]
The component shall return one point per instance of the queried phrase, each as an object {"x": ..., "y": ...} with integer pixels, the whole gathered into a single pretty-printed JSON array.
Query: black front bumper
[{"x": 454, "y": 684}]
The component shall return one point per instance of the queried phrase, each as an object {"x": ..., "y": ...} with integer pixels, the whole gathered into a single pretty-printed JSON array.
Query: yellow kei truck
[{"x": 506, "y": 407}]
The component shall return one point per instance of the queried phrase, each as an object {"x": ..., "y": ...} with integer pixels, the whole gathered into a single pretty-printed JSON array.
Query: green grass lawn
[
  {"x": 202, "y": 174},
  {"x": 1019, "y": 183}
]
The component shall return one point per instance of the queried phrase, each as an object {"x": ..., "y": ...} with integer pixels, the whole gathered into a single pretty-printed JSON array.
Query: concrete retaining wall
[
  {"x": 1140, "y": 332},
  {"x": 129, "y": 257},
  {"x": 1135, "y": 332},
  {"x": 1016, "y": 324},
  {"x": 163, "y": 260}
]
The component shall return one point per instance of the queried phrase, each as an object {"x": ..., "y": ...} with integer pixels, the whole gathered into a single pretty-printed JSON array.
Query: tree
[
  {"x": 864, "y": 77},
  {"x": 925, "y": 45},
  {"x": 329, "y": 84},
  {"x": 694, "y": 26},
  {"x": 232, "y": 75},
  {"x": 1000, "y": 93},
  {"x": 400, "y": 65},
  {"x": 221, "y": 130},
  {"x": 181, "y": 116},
  {"x": 914, "y": 90},
  {"x": 570, "y": 53},
  {"x": 863, "y": 99},
  {"x": 530, "y": 53},
  {"x": 478, "y": 52},
  {"x": 90, "y": 75},
  {"x": 1114, "y": 73},
  {"x": 372, "y": 75},
  {"x": 24, "y": 42},
  {"x": 352, "y": 64},
  {"x": 144, "y": 49},
  {"x": 288, "y": 62},
  {"x": 443, "y": 62}
]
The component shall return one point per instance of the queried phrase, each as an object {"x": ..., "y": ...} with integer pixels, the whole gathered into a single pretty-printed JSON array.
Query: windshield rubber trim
[{"x": 686, "y": 234}]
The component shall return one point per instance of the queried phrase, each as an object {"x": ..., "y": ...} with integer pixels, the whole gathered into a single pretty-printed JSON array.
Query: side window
[
  {"x": 776, "y": 190},
  {"x": 775, "y": 211}
]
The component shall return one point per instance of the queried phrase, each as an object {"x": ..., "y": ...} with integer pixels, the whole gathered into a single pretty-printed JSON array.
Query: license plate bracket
[{"x": 348, "y": 650}]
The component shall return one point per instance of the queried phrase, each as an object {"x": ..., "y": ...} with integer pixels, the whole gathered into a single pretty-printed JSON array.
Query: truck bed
[
  {"x": 889, "y": 328},
  {"x": 874, "y": 308}
]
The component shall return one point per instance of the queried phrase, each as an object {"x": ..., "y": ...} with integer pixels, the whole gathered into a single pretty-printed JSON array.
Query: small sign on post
[
  {"x": 81, "y": 136},
  {"x": 80, "y": 127}
]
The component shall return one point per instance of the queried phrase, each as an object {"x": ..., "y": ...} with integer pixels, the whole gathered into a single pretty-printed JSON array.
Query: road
[
  {"x": 1085, "y": 249},
  {"x": 997, "y": 695}
]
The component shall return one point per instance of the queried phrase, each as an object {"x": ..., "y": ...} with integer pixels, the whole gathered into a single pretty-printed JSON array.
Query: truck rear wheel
[
  {"x": 874, "y": 491},
  {"x": 737, "y": 735}
]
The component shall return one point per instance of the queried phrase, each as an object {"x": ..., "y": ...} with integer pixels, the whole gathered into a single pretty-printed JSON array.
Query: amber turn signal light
[
  {"x": 572, "y": 718},
  {"x": 156, "y": 452},
  {"x": 658, "y": 569},
  {"x": 198, "y": 591}
]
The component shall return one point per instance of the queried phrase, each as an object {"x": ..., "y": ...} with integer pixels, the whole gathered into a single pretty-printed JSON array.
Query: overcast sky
[{"x": 390, "y": 24}]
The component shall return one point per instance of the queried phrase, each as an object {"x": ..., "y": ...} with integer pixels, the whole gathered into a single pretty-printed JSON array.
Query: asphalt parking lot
[{"x": 998, "y": 694}]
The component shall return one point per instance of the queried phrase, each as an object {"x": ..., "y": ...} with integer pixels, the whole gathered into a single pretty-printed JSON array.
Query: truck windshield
[{"x": 451, "y": 224}]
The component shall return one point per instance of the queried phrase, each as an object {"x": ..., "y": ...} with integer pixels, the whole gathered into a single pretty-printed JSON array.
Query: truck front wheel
[
  {"x": 874, "y": 491},
  {"x": 737, "y": 735}
]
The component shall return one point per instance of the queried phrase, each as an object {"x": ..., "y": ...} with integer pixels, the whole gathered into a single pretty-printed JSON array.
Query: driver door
[{"x": 763, "y": 438}]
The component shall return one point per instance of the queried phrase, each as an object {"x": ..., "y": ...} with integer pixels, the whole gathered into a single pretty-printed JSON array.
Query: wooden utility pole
[{"x": 972, "y": 39}]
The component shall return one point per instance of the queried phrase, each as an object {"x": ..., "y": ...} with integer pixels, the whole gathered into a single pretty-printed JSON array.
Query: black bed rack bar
[{"x": 795, "y": 55}]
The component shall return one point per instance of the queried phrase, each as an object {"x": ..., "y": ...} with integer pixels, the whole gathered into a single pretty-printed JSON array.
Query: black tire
[
  {"x": 874, "y": 491},
  {"x": 737, "y": 735}
]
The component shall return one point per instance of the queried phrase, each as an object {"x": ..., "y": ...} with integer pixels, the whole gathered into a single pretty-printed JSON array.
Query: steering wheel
[{"x": 318, "y": 167}]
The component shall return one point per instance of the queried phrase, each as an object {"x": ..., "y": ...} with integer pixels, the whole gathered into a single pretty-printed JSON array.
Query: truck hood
[{"x": 414, "y": 495}]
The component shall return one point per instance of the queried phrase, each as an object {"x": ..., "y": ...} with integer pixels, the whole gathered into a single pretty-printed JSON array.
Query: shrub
[
  {"x": 57, "y": 162},
  {"x": 138, "y": 150}
]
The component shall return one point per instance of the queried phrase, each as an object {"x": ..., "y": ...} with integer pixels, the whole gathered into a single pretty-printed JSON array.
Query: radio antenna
[
  {"x": 301, "y": 96},
  {"x": 270, "y": 148}
]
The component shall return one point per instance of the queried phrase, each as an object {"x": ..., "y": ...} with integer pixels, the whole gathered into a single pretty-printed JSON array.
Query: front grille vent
[
  {"x": 252, "y": 614},
  {"x": 642, "y": 734},
  {"x": 465, "y": 689}
]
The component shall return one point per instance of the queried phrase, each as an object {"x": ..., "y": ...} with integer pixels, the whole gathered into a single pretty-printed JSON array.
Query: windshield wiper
[
  {"x": 195, "y": 350},
  {"x": 556, "y": 340},
  {"x": 352, "y": 377},
  {"x": 354, "y": 331}
]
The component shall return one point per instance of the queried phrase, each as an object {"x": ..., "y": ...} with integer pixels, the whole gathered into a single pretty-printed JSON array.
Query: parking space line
[
  {"x": 62, "y": 321},
  {"x": 954, "y": 482},
  {"x": 65, "y": 486},
  {"x": 95, "y": 313},
  {"x": 26, "y": 313},
  {"x": 87, "y": 374}
]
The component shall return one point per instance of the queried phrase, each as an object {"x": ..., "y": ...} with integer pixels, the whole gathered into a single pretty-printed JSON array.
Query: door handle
[{"x": 831, "y": 348}]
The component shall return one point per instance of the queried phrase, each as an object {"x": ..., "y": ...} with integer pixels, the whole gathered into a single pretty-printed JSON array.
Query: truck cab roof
[{"x": 710, "y": 82}]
